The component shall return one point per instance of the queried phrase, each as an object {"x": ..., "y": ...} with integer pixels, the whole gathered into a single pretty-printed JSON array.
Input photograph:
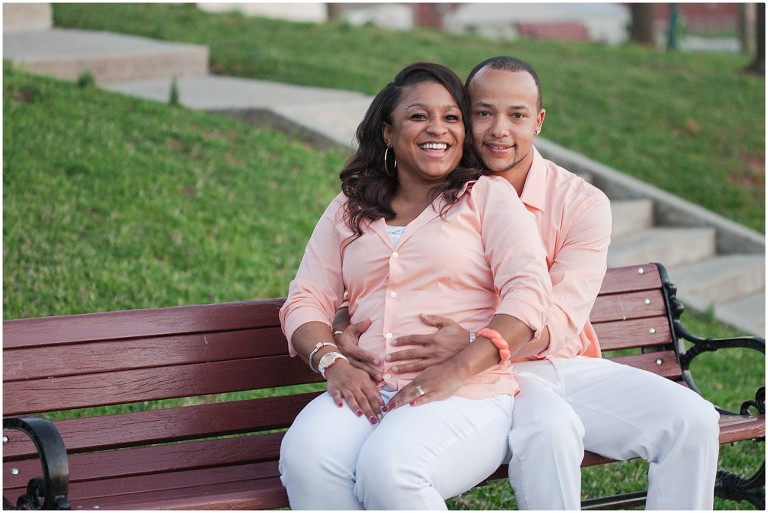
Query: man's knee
[{"x": 700, "y": 421}]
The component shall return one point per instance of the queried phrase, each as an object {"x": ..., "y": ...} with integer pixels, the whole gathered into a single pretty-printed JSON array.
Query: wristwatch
[{"x": 329, "y": 359}]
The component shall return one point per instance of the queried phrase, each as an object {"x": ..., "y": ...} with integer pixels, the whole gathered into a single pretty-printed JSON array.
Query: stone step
[
  {"x": 18, "y": 17},
  {"x": 746, "y": 314},
  {"x": 630, "y": 216},
  {"x": 317, "y": 115},
  {"x": 669, "y": 246},
  {"x": 719, "y": 280},
  {"x": 67, "y": 54}
]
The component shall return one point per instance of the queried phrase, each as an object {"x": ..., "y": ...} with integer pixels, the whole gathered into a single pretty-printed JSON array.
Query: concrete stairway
[
  {"x": 715, "y": 264},
  {"x": 731, "y": 285}
]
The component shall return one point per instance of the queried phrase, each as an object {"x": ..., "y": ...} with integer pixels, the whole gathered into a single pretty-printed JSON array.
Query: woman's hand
[
  {"x": 354, "y": 386},
  {"x": 360, "y": 358},
  {"x": 434, "y": 384}
]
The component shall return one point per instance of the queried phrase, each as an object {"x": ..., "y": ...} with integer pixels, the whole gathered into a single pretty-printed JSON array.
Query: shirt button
[
  {"x": 393, "y": 294},
  {"x": 388, "y": 335},
  {"x": 387, "y": 376},
  {"x": 395, "y": 254}
]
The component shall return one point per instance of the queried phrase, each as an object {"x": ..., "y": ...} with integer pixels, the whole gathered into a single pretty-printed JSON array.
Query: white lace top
[{"x": 395, "y": 232}]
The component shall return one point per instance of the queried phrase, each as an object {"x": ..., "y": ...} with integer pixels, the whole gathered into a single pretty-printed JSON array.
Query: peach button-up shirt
[
  {"x": 482, "y": 257},
  {"x": 574, "y": 219}
]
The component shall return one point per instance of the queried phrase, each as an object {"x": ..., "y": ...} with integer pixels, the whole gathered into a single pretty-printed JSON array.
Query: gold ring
[{"x": 420, "y": 390}]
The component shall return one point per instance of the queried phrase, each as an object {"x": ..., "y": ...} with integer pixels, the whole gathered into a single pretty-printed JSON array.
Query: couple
[{"x": 508, "y": 254}]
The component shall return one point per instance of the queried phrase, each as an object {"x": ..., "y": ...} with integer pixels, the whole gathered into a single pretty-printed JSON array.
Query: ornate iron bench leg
[
  {"x": 734, "y": 487},
  {"x": 49, "y": 491}
]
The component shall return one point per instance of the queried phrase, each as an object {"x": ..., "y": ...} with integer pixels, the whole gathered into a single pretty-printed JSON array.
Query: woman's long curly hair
[{"x": 364, "y": 179}]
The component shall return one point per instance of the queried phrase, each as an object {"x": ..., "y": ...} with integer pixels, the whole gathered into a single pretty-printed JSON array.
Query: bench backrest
[{"x": 104, "y": 359}]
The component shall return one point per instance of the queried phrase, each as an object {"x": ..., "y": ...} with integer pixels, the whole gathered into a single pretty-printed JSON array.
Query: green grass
[
  {"x": 692, "y": 124},
  {"x": 116, "y": 203}
]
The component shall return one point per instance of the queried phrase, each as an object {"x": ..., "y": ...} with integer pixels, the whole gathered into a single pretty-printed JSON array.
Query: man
[{"x": 570, "y": 399}]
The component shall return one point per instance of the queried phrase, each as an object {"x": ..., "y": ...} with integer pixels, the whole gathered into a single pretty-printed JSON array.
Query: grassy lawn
[
  {"x": 691, "y": 124},
  {"x": 120, "y": 203},
  {"x": 111, "y": 202}
]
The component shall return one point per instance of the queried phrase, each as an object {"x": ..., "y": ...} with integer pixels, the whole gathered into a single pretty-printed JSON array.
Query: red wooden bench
[{"x": 204, "y": 393}]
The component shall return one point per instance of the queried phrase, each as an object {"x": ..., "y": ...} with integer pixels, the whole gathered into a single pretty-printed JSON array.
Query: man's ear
[{"x": 540, "y": 118}]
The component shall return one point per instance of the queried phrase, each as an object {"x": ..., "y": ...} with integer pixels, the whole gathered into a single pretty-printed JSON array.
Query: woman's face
[{"x": 426, "y": 133}]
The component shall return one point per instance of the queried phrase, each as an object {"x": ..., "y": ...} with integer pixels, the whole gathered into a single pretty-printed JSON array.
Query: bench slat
[
  {"x": 266, "y": 493},
  {"x": 169, "y": 425},
  {"x": 117, "y": 355},
  {"x": 663, "y": 363},
  {"x": 734, "y": 428},
  {"x": 158, "y": 459},
  {"x": 23, "y": 397},
  {"x": 141, "y": 323},
  {"x": 632, "y": 305},
  {"x": 630, "y": 278},
  {"x": 649, "y": 331}
]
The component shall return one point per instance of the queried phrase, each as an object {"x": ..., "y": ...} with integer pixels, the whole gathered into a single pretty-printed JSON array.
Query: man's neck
[{"x": 517, "y": 174}]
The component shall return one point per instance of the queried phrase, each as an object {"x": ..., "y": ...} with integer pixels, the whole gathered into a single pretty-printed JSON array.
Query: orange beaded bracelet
[{"x": 498, "y": 341}]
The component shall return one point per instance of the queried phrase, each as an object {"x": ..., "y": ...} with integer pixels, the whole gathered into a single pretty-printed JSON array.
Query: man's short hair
[{"x": 507, "y": 63}]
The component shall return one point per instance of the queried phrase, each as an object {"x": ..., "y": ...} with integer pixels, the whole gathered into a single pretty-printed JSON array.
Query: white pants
[
  {"x": 566, "y": 406},
  {"x": 415, "y": 458}
]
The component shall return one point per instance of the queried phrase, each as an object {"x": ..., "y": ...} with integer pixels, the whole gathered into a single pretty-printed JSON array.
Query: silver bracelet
[
  {"x": 338, "y": 332},
  {"x": 317, "y": 348}
]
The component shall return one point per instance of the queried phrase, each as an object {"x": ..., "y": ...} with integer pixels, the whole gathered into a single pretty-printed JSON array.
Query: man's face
[{"x": 505, "y": 118}]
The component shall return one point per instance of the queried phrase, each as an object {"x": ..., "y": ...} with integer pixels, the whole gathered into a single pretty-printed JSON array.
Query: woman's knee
[
  {"x": 382, "y": 472},
  {"x": 547, "y": 429}
]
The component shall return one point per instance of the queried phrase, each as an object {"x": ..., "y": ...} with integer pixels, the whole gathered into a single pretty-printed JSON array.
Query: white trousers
[
  {"x": 566, "y": 406},
  {"x": 415, "y": 458}
]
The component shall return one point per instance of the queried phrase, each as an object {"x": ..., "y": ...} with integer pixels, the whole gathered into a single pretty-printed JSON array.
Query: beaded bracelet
[{"x": 498, "y": 341}]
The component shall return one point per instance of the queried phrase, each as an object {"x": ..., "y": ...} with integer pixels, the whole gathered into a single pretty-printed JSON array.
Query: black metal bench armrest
[
  {"x": 685, "y": 355},
  {"x": 706, "y": 345},
  {"x": 50, "y": 491}
]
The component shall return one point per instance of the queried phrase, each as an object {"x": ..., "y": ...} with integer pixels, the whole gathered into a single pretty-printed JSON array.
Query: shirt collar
[{"x": 535, "y": 188}]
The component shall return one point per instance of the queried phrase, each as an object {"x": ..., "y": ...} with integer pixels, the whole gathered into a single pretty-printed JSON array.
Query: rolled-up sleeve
[
  {"x": 516, "y": 256},
  {"x": 577, "y": 274},
  {"x": 318, "y": 289}
]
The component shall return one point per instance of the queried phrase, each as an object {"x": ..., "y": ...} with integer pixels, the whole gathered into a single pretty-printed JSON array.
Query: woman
[{"x": 415, "y": 228}]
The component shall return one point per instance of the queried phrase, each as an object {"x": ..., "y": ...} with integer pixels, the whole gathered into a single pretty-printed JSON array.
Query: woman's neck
[{"x": 409, "y": 202}]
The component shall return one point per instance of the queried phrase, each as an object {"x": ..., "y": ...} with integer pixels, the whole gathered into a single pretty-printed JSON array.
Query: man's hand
[
  {"x": 429, "y": 350},
  {"x": 434, "y": 384},
  {"x": 356, "y": 388},
  {"x": 360, "y": 358}
]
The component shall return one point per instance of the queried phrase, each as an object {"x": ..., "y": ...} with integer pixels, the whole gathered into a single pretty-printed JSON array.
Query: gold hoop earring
[{"x": 386, "y": 167}]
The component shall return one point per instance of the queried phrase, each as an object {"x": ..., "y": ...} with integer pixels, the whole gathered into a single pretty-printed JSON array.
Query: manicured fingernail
[
  {"x": 388, "y": 357},
  {"x": 339, "y": 404},
  {"x": 373, "y": 420},
  {"x": 385, "y": 408},
  {"x": 359, "y": 413},
  {"x": 412, "y": 403}
]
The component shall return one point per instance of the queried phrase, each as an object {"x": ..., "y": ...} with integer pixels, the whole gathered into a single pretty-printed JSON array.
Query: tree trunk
[
  {"x": 758, "y": 65},
  {"x": 642, "y": 29},
  {"x": 333, "y": 11}
]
